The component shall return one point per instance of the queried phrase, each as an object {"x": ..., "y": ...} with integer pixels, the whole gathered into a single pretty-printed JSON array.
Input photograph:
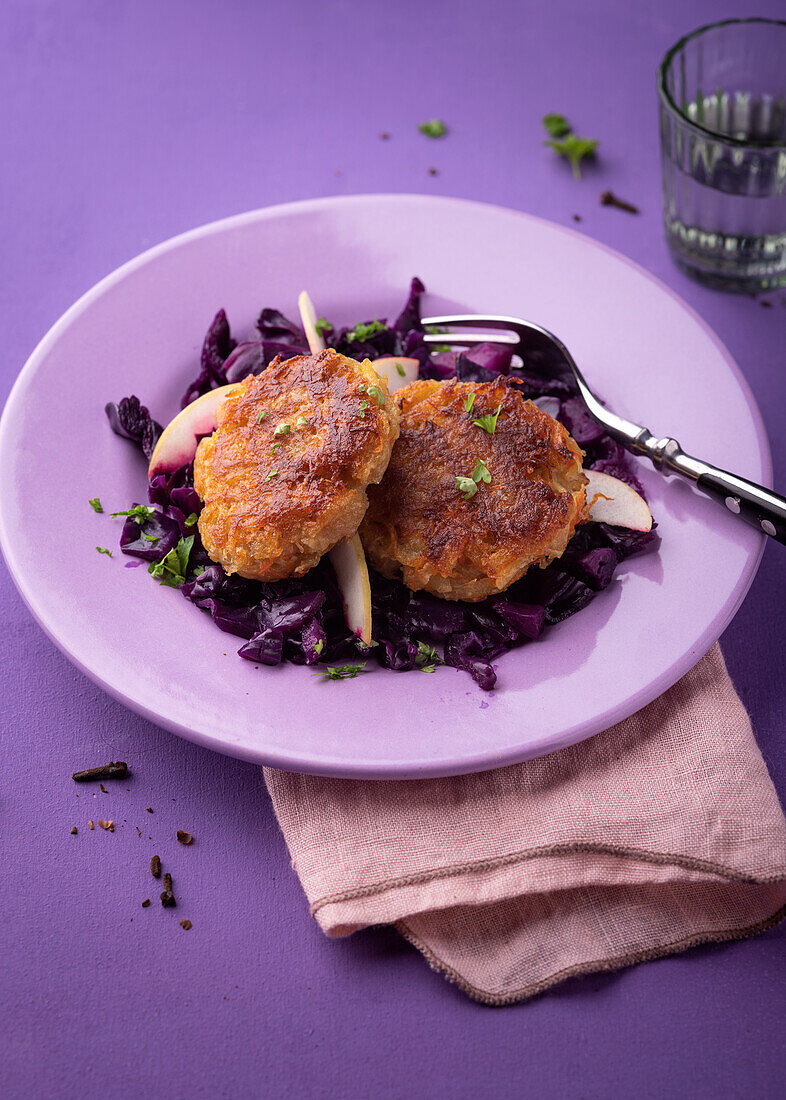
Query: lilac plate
[{"x": 139, "y": 331}]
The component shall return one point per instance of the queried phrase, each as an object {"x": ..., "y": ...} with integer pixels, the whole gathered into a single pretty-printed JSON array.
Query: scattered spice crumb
[
  {"x": 384, "y": 136},
  {"x": 139, "y": 831},
  {"x": 155, "y": 866},
  {"x": 186, "y": 924},
  {"x": 115, "y": 769},
  {"x": 184, "y": 837},
  {"x": 74, "y": 830},
  {"x": 608, "y": 198},
  {"x": 167, "y": 897},
  {"x": 90, "y": 825},
  {"x": 433, "y": 171},
  {"x": 145, "y": 903},
  {"x": 107, "y": 826},
  {"x": 148, "y": 809},
  {"x": 577, "y": 217},
  {"x": 103, "y": 788},
  {"x": 765, "y": 303}
]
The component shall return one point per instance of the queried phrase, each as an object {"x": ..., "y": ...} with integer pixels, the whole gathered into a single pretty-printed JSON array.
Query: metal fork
[{"x": 544, "y": 353}]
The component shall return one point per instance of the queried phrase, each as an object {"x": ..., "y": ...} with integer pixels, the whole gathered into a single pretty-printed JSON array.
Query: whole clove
[
  {"x": 184, "y": 837},
  {"x": 186, "y": 924},
  {"x": 117, "y": 769},
  {"x": 608, "y": 198},
  {"x": 155, "y": 866},
  {"x": 167, "y": 897}
]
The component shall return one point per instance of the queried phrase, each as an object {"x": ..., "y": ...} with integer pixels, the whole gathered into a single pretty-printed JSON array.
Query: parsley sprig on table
[{"x": 568, "y": 144}]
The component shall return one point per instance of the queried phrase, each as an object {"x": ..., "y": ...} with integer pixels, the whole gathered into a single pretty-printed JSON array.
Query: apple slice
[
  {"x": 613, "y": 501},
  {"x": 349, "y": 562},
  {"x": 177, "y": 443},
  {"x": 308, "y": 318},
  {"x": 388, "y": 366}
]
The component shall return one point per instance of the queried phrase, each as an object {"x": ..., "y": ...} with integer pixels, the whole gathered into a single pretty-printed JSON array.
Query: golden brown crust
[
  {"x": 421, "y": 528},
  {"x": 275, "y": 502}
]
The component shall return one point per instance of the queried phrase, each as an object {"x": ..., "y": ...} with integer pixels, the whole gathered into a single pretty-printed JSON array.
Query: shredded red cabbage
[{"x": 302, "y": 620}]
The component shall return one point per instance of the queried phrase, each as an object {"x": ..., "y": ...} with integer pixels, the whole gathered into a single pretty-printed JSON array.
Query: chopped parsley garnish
[
  {"x": 340, "y": 672},
  {"x": 481, "y": 472},
  {"x": 400, "y": 369},
  {"x": 427, "y": 658},
  {"x": 376, "y": 393},
  {"x": 140, "y": 513},
  {"x": 469, "y": 485},
  {"x": 301, "y": 422},
  {"x": 274, "y": 447},
  {"x": 171, "y": 570},
  {"x": 262, "y": 416},
  {"x": 466, "y": 486},
  {"x": 191, "y": 520},
  {"x": 322, "y": 326},
  {"x": 362, "y": 331},
  {"x": 103, "y": 550},
  {"x": 319, "y": 646},
  {"x": 470, "y": 401},
  {"x": 557, "y": 125},
  {"x": 282, "y": 429},
  {"x": 433, "y": 128},
  {"x": 96, "y": 505},
  {"x": 271, "y": 474},
  {"x": 363, "y": 407},
  {"x": 435, "y": 330},
  {"x": 150, "y": 538},
  {"x": 489, "y": 422},
  {"x": 574, "y": 149}
]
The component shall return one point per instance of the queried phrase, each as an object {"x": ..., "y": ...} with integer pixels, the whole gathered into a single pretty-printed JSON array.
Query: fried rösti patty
[
  {"x": 422, "y": 528},
  {"x": 283, "y": 477}
]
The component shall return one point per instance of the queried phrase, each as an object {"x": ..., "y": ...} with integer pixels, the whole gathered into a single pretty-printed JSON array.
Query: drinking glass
[{"x": 722, "y": 92}]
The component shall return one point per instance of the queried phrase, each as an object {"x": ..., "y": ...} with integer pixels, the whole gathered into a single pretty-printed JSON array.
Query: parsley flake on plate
[
  {"x": 340, "y": 672},
  {"x": 322, "y": 326},
  {"x": 262, "y": 416},
  {"x": 96, "y": 505},
  {"x": 470, "y": 402},
  {"x": 301, "y": 422},
  {"x": 481, "y": 472},
  {"x": 282, "y": 429},
  {"x": 363, "y": 330},
  {"x": 103, "y": 550},
  {"x": 140, "y": 513},
  {"x": 467, "y": 486},
  {"x": 435, "y": 330},
  {"x": 271, "y": 474},
  {"x": 400, "y": 369},
  {"x": 489, "y": 422},
  {"x": 433, "y": 128},
  {"x": 191, "y": 520},
  {"x": 376, "y": 394},
  {"x": 171, "y": 570},
  {"x": 427, "y": 658}
]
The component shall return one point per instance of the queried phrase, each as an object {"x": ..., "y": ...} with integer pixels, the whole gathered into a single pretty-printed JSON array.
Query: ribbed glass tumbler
[{"x": 722, "y": 93}]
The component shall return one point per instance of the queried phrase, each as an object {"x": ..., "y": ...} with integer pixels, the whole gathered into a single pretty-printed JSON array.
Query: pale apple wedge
[
  {"x": 308, "y": 318},
  {"x": 388, "y": 366},
  {"x": 612, "y": 501},
  {"x": 349, "y": 562},
  {"x": 177, "y": 443}
]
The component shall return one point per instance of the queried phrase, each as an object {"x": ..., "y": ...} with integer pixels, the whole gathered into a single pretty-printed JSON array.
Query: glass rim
[{"x": 667, "y": 100}]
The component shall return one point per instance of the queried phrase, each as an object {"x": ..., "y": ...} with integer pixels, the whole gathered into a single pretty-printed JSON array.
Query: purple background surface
[{"x": 124, "y": 124}]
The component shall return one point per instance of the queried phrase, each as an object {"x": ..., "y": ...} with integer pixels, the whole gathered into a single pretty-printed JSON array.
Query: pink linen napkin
[{"x": 661, "y": 833}]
